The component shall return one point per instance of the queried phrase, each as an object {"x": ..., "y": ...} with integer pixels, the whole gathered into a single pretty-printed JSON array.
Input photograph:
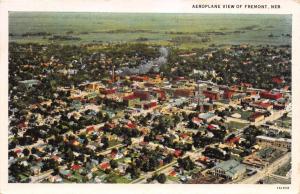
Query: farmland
[{"x": 182, "y": 30}]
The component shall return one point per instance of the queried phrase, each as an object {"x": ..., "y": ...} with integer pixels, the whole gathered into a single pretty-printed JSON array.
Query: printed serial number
[{"x": 283, "y": 187}]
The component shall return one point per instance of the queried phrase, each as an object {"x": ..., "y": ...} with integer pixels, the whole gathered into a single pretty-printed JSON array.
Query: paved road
[
  {"x": 267, "y": 170},
  {"x": 41, "y": 177}
]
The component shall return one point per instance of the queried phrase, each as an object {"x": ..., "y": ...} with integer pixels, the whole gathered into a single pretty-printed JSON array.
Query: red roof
[
  {"x": 269, "y": 95},
  {"x": 75, "y": 167},
  {"x": 196, "y": 120},
  {"x": 210, "y": 127},
  {"x": 172, "y": 173},
  {"x": 150, "y": 105},
  {"x": 265, "y": 105},
  {"x": 277, "y": 80},
  {"x": 90, "y": 128},
  {"x": 179, "y": 78},
  {"x": 177, "y": 153},
  {"x": 246, "y": 84},
  {"x": 130, "y": 97},
  {"x": 108, "y": 91},
  {"x": 139, "y": 78},
  {"x": 130, "y": 125},
  {"x": 22, "y": 125},
  {"x": 114, "y": 151},
  {"x": 104, "y": 165},
  {"x": 233, "y": 140},
  {"x": 183, "y": 135},
  {"x": 255, "y": 115}
]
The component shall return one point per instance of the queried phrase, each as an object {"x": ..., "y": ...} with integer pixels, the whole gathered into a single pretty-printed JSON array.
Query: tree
[
  {"x": 26, "y": 152},
  {"x": 113, "y": 164},
  {"x": 161, "y": 178}
]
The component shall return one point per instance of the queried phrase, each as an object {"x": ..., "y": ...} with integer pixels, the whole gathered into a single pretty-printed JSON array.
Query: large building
[
  {"x": 212, "y": 95},
  {"x": 270, "y": 95},
  {"x": 280, "y": 143},
  {"x": 230, "y": 169},
  {"x": 207, "y": 117},
  {"x": 183, "y": 92}
]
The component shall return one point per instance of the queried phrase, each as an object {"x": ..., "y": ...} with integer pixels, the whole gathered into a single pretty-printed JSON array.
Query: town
[{"x": 142, "y": 113}]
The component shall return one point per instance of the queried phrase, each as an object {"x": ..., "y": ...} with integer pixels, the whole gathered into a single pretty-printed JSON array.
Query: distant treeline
[
  {"x": 185, "y": 39},
  {"x": 136, "y": 31},
  {"x": 59, "y": 37},
  {"x": 32, "y": 34}
]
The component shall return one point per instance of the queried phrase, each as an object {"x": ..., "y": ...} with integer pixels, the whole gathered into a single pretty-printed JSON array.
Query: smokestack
[{"x": 113, "y": 74}]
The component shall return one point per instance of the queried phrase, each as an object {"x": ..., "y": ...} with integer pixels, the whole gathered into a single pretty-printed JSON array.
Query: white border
[{"x": 152, "y": 6}]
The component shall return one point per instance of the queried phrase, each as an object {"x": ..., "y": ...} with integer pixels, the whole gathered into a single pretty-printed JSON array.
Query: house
[
  {"x": 230, "y": 169},
  {"x": 90, "y": 129},
  {"x": 197, "y": 121},
  {"x": 75, "y": 167},
  {"x": 177, "y": 153},
  {"x": 104, "y": 165}
]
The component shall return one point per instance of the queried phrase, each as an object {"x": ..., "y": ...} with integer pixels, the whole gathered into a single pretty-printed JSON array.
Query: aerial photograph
[{"x": 149, "y": 98}]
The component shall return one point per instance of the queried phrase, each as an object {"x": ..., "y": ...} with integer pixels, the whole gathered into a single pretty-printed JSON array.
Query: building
[
  {"x": 183, "y": 93},
  {"x": 150, "y": 105},
  {"x": 207, "y": 117},
  {"x": 212, "y": 95},
  {"x": 256, "y": 117},
  {"x": 207, "y": 107},
  {"x": 270, "y": 95},
  {"x": 230, "y": 169},
  {"x": 29, "y": 83},
  {"x": 262, "y": 105},
  {"x": 281, "y": 143},
  {"x": 93, "y": 86},
  {"x": 228, "y": 93},
  {"x": 108, "y": 91},
  {"x": 160, "y": 94},
  {"x": 139, "y": 78},
  {"x": 142, "y": 95},
  {"x": 131, "y": 100}
]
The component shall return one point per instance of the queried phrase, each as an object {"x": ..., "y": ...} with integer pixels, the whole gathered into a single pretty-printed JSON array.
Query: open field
[{"x": 183, "y": 30}]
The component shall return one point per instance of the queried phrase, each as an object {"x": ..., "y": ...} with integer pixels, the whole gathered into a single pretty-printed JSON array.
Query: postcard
[{"x": 149, "y": 96}]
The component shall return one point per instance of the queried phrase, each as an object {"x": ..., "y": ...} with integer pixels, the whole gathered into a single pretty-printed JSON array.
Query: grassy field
[
  {"x": 283, "y": 170},
  {"x": 183, "y": 30},
  {"x": 235, "y": 125}
]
